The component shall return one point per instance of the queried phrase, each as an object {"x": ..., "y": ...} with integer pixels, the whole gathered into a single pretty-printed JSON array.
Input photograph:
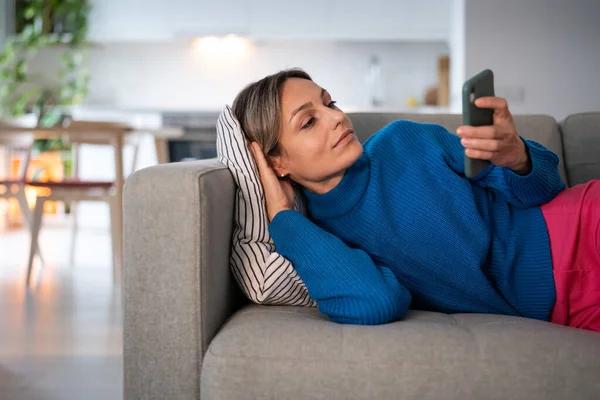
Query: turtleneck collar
[{"x": 342, "y": 198}]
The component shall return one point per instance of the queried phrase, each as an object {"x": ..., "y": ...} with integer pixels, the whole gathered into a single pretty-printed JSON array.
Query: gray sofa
[{"x": 190, "y": 334}]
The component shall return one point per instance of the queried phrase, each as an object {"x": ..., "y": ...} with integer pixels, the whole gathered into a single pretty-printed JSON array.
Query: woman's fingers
[
  {"x": 264, "y": 169},
  {"x": 498, "y": 104},
  {"x": 479, "y": 154},
  {"x": 481, "y": 144},
  {"x": 259, "y": 157},
  {"x": 267, "y": 175},
  {"x": 279, "y": 195},
  {"x": 479, "y": 132}
]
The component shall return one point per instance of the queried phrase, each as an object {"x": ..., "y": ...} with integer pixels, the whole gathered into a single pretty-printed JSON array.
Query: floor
[{"x": 61, "y": 338}]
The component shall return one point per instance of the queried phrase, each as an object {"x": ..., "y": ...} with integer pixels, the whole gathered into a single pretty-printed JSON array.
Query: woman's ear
[{"x": 275, "y": 162}]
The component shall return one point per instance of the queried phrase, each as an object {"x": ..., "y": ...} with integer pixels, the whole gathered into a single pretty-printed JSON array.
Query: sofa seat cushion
[{"x": 268, "y": 352}]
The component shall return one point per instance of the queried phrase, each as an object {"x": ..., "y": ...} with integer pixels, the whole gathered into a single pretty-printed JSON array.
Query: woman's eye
[
  {"x": 332, "y": 104},
  {"x": 309, "y": 123}
]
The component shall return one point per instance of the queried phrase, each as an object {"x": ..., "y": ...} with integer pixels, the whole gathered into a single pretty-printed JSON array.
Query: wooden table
[{"x": 107, "y": 133}]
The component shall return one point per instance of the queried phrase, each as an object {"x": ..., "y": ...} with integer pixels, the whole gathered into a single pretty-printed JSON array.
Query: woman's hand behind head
[{"x": 279, "y": 193}]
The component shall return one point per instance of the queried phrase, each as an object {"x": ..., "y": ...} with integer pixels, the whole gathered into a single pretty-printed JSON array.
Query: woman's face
[{"x": 310, "y": 133}]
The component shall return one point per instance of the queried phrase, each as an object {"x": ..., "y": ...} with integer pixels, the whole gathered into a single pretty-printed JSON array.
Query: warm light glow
[
  {"x": 229, "y": 47},
  {"x": 46, "y": 167},
  {"x": 233, "y": 44},
  {"x": 209, "y": 45}
]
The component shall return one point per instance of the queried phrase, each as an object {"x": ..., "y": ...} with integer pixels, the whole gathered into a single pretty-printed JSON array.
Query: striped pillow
[{"x": 265, "y": 276}]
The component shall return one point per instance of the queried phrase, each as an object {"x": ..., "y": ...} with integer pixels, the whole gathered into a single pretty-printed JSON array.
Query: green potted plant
[{"x": 44, "y": 24}]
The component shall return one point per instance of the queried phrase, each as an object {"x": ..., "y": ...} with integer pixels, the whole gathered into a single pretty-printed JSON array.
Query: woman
[{"x": 396, "y": 223}]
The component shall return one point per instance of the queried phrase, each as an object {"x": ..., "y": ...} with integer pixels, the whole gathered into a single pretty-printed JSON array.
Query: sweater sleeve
[
  {"x": 345, "y": 282},
  {"x": 538, "y": 187}
]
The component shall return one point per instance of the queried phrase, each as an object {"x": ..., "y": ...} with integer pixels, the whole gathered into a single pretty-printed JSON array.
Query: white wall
[
  {"x": 545, "y": 53},
  {"x": 178, "y": 76},
  {"x": 457, "y": 54}
]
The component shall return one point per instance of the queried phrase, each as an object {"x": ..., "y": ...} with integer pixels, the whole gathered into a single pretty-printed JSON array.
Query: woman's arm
[
  {"x": 540, "y": 185},
  {"x": 345, "y": 282},
  {"x": 537, "y": 187}
]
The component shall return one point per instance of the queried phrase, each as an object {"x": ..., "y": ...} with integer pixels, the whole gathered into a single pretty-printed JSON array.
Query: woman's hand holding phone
[{"x": 498, "y": 143}]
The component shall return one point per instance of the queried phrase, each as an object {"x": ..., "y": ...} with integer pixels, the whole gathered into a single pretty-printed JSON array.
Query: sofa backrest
[
  {"x": 581, "y": 141},
  {"x": 540, "y": 128}
]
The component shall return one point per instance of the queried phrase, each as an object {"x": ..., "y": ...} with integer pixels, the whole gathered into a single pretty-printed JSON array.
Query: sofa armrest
[
  {"x": 581, "y": 141},
  {"x": 178, "y": 290}
]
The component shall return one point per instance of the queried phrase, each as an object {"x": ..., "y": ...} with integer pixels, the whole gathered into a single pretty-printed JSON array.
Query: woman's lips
[{"x": 346, "y": 137}]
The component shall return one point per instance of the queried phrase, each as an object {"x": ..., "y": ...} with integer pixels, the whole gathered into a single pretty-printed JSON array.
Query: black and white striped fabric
[{"x": 265, "y": 276}]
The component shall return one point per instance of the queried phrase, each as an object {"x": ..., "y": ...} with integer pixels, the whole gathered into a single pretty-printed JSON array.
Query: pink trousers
[{"x": 573, "y": 221}]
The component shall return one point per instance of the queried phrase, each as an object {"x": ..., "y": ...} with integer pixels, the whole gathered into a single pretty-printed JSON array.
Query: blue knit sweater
[{"x": 405, "y": 228}]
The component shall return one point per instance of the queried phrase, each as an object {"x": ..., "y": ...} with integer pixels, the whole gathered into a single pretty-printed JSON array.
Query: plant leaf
[{"x": 29, "y": 12}]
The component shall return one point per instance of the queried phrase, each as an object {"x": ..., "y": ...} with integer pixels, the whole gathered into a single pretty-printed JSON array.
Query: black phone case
[{"x": 480, "y": 85}]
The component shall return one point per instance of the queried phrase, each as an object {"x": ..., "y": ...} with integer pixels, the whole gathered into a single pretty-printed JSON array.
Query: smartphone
[{"x": 481, "y": 85}]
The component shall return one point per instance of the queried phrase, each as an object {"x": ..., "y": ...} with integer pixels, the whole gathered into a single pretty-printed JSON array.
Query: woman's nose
[{"x": 337, "y": 116}]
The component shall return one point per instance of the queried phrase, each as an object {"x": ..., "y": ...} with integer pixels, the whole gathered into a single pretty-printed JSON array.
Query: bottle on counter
[{"x": 374, "y": 84}]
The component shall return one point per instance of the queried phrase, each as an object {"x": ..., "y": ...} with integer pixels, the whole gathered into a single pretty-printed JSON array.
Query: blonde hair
[{"x": 258, "y": 109}]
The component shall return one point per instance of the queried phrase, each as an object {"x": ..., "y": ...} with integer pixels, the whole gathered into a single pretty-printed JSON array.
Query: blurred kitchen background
[{"x": 163, "y": 70}]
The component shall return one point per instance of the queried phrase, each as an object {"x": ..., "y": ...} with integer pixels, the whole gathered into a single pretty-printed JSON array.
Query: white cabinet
[
  {"x": 165, "y": 20},
  {"x": 350, "y": 20},
  {"x": 343, "y": 20},
  {"x": 129, "y": 20},
  {"x": 392, "y": 19},
  {"x": 192, "y": 18},
  {"x": 283, "y": 20}
]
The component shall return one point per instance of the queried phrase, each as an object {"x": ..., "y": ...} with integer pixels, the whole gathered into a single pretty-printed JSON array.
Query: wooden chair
[
  {"x": 68, "y": 191},
  {"x": 73, "y": 190},
  {"x": 14, "y": 187},
  {"x": 132, "y": 140}
]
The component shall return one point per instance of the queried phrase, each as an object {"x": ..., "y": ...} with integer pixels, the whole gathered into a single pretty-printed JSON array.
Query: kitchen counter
[{"x": 153, "y": 118}]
